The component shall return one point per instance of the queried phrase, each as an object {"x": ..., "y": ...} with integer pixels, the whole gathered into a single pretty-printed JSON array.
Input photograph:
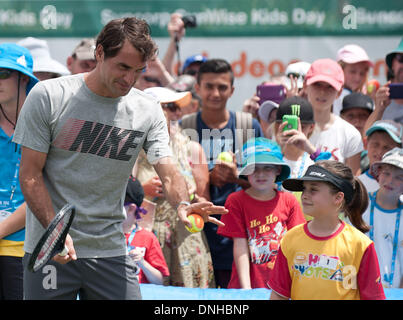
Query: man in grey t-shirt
[{"x": 80, "y": 138}]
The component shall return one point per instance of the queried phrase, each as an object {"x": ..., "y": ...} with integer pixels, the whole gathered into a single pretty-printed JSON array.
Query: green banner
[{"x": 215, "y": 18}]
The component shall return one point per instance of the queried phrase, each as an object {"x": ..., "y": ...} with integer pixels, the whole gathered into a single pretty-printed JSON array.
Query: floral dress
[{"x": 187, "y": 254}]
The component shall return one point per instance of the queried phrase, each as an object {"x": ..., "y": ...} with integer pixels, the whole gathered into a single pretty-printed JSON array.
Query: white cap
[
  {"x": 85, "y": 49},
  {"x": 298, "y": 68},
  {"x": 393, "y": 157},
  {"x": 165, "y": 95},
  {"x": 352, "y": 53},
  {"x": 41, "y": 56}
]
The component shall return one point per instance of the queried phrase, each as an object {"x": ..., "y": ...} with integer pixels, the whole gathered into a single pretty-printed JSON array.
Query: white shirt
[
  {"x": 338, "y": 103},
  {"x": 369, "y": 181},
  {"x": 342, "y": 140},
  {"x": 384, "y": 231},
  {"x": 298, "y": 168}
]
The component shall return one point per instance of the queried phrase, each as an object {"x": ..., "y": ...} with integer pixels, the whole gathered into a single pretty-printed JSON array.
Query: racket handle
[{"x": 64, "y": 252}]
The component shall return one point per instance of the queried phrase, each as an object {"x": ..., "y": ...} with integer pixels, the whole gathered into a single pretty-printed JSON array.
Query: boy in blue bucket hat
[
  {"x": 263, "y": 151},
  {"x": 17, "y": 58},
  {"x": 259, "y": 216},
  {"x": 16, "y": 80}
]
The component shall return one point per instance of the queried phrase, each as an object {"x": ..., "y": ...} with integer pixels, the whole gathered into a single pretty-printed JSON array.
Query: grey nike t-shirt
[{"x": 92, "y": 143}]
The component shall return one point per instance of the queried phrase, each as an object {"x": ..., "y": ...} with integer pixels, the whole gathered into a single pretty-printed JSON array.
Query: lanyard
[
  {"x": 131, "y": 237},
  {"x": 14, "y": 182},
  {"x": 302, "y": 166},
  {"x": 130, "y": 247},
  {"x": 389, "y": 277}
]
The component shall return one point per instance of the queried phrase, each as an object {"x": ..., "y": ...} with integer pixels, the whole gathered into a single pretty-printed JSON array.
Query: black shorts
[
  {"x": 10, "y": 278},
  {"x": 85, "y": 279}
]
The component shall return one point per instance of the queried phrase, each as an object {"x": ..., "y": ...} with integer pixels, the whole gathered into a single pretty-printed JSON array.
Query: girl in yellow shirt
[{"x": 326, "y": 258}]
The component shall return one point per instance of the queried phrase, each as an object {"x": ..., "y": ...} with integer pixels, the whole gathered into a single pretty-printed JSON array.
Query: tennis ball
[
  {"x": 372, "y": 85},
  {"x": 197, "y": 223},
  {"x": 225, "y": 156}
]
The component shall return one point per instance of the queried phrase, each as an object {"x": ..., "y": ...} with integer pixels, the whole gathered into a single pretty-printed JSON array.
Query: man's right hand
[{"x": 71, "y": 254}]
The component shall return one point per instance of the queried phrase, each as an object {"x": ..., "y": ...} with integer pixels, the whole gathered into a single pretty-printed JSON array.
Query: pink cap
[
  {"x": 352, "y": 53},
  {"x": 326, "y": 70}
]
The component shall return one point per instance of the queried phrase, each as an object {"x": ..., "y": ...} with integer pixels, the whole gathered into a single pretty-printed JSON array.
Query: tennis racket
[{"x": 52, "y": 241}]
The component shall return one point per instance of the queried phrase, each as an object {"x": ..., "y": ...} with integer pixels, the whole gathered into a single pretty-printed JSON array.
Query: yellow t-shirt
[{"x": 341, "y": 266}]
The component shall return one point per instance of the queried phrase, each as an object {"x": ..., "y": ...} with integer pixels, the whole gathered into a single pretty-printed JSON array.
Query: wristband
[
  {"x": 314, "y": 155},
  {"x": 186, "y": 203}
]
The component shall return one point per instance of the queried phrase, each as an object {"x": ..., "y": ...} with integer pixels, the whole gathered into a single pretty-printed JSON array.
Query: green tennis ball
[
  {"x": 197, "y": 223},
  {"x": 372, "y": 85},
  {"x": 225, "y": 156}
]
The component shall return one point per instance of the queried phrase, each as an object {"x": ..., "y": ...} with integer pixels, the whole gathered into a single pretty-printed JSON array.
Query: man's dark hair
[
  {"x": 215, "y": 66},
  {"x": 112, "y": 37}
]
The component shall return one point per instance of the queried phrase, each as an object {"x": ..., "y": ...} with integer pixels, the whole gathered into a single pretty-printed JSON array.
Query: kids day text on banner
[{"x": 258, "y": 37}]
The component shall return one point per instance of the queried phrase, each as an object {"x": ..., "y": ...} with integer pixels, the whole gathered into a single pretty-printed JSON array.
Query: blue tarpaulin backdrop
[{"x": 155, "y": 292}]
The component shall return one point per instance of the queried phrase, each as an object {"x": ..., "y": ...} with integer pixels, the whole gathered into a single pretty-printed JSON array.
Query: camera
[{"x": 189, "y": 21}]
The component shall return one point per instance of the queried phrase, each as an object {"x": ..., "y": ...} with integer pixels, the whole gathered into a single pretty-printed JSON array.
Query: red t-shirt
[
  {"x": 263, "y": 224},
  {"x": 153, "y": 253}
]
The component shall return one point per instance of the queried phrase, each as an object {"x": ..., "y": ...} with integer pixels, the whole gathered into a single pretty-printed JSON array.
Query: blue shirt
[
  {"x": 10, "y": 157},
  {"x": 215, "y": 141}
]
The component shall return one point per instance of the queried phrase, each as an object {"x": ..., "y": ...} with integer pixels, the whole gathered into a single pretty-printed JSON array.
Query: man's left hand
[{"x": 204, "y": 209}]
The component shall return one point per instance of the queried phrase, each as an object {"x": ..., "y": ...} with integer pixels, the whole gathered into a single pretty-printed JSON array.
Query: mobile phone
[
  {"x": 273, "y": 92},
  {"x": 292, "y": 122},
  {"x": 396, "y": 91}
]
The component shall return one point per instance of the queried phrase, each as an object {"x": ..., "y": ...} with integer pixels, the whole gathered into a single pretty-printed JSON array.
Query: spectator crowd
[{"x": 308, "y": 191}]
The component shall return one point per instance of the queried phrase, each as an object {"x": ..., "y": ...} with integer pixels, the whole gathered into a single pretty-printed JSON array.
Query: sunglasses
[
  {"x": 191, "y": 72},
  {"x": 139, "y": 210},
  {"x": 296, "y": 75},
  {"x": 399, "y": 57},
  {"x": 152, "y": 80},
  {"x": 171, "y": 106},
  {"x": 5, "y": 74}
]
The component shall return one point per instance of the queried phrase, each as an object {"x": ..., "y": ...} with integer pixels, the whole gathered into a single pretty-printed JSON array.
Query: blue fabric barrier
[{"x": 155, "y": 292}]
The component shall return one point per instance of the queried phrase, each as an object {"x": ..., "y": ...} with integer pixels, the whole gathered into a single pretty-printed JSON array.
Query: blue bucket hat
[
  {"x": 263, "y": 151},
  {"x": 15, "y": 57}
]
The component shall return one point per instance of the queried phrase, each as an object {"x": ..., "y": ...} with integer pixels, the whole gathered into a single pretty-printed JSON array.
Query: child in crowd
[
  {"x": 326, "y": 258},
  {"x": 260, "y": 215},
  {"x": 267, "y": 116},
  {"x": 323, "y": 84},
  {"x": 355, "y": 64},
  {"x": 142, "y": 245},
  {"x": 299, "y": 153},
  {"x": 382, "y": 136},
  {"x": 384, "y": 215},
  {"x": 356, "y": 109}
]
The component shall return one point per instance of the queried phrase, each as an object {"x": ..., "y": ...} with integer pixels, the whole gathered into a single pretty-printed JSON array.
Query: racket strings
[
  {"x": 51, "y": 242},
  {"x": 53, "y": 239}
]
